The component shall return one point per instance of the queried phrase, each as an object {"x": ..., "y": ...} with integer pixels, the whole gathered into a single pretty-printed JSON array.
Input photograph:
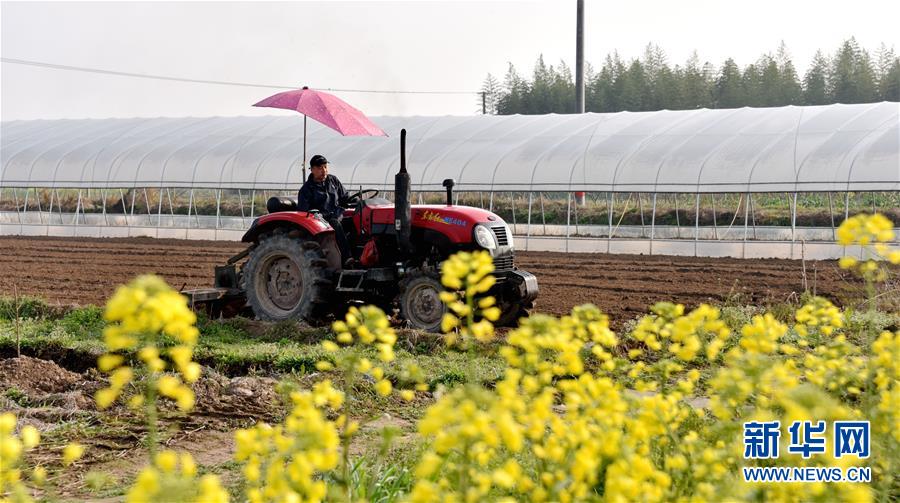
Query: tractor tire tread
[
  {"x": 314, "y": 304},
  {"x": 404, "y": 286}
]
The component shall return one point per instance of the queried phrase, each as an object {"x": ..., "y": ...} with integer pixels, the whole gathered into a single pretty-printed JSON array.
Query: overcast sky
[{"x": 410, "y": 46}]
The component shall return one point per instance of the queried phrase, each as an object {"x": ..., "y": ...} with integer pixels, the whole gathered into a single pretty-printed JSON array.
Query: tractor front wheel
[
  {"x": 420, "y": 302},
  {"x": 287, "y": 278}
]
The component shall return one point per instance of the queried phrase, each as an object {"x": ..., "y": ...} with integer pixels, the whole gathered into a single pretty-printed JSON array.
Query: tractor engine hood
[{"x": 457, "y": 223}]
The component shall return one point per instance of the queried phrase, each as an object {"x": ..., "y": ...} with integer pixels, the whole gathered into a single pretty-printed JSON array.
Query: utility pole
[{"x": 579, "y": 59}]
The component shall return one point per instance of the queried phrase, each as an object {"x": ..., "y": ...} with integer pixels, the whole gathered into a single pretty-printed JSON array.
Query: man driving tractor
[
  {"x": 295, "y": 256},
  {"x": 325, "y": 193}
]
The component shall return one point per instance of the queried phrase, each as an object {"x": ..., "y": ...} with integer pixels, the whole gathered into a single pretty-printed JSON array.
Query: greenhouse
[{"x": 748, "y": 182}]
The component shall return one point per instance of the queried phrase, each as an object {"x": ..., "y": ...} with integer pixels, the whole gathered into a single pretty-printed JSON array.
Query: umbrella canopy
[{"x": 325, "y": 108}]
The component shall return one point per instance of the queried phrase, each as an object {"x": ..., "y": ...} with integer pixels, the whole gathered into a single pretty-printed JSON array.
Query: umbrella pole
[{"x": 303, "y": 161}]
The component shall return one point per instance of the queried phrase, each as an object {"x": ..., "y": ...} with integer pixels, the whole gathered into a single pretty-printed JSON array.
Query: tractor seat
[{"x": 276, "y": 204}]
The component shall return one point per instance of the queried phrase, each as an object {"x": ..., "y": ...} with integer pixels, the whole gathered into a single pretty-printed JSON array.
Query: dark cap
[{"x": 318, "y": 160}]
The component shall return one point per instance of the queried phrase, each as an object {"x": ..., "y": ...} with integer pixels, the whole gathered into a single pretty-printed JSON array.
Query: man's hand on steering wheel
[{"x": 357, "y": 196}]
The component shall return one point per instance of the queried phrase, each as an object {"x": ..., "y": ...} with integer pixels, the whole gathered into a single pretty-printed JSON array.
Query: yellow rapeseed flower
[
  {"x": 383, "y": 387},
  {"x": 39, "y": 475},
  {"x": 72, "y": 452}
]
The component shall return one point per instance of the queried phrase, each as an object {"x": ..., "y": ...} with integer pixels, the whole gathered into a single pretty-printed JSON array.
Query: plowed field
[{"x": 86, "y": 271}]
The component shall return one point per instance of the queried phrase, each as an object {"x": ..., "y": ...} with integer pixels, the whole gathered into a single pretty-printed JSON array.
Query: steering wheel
[{"x": 357, "y": 196}]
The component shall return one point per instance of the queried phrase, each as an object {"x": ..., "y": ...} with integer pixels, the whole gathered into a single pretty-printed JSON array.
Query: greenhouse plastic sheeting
[{"x": 786, "y": 149}]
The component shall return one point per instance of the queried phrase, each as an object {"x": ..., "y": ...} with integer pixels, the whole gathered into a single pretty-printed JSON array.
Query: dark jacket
[{"x": 326, "y": 196}]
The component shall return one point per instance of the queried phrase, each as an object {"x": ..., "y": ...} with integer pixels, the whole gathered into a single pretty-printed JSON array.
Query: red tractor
[{"x": 294, "y": 269}]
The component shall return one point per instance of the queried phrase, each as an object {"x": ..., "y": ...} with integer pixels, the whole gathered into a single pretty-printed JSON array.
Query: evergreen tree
[
  {"x": 589, "y": 76},
  {"x": 634, "y": 89},
  {"x": 589, "y": 72},
  {"x": 599, "y": 90},
  {"x": 890, "y": 82},
  {"x": 729, "y": 89},
  {"x": 562, "y": 89},
  {"x": 751, "y": 79},
  {"x": 662, "y": 83},
  {"x": 696, "y": 88},
  {"x": 617, "y": 71},
  {"x": 841, "y": 85},
  {"x": 652, "y": 62},
  {"x": 852, "y": 75},
  {"x": 888, "y": 74},
  {"x": 790, "y": 90},
  {"x": 769, "y": 82},
  {"x": 866, "y": 80},
  {"x": 815, "y": 83},
  {"x": 667, "y": 90},
  {"x": 512, "y": 101},
  {"x": 540, "y": 96},
  {"x": 648, "y": 83},
  {"x": 489, "y": 98}
]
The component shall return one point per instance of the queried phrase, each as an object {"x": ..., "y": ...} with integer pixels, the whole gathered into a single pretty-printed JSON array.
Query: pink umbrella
[{"x": 325, "y": 108}]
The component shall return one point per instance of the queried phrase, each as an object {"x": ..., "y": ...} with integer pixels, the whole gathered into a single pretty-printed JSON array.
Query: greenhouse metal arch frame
[{"x": 207, "y": 177}]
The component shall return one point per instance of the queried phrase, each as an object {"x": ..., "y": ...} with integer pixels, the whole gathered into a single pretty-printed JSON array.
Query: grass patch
[
  {"x": 18, "y": 396},
  {"x": 49, "y": 340},
  {"x": 84, "y": 322},
  {"x": 29, "y": 308},
  {"x": 381, "y": 479},
  {"x": 228, "y": 331},
  {"x": 239, "y": 347}
]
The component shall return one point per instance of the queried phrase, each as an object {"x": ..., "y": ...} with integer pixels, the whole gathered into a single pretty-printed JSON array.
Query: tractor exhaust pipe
[
  {"x": 448, "y": 184},
  {"x": 402, "y": 210}
]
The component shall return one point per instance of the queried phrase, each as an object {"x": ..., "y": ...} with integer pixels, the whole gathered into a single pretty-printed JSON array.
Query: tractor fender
[
  {"x": 310, "y": 224},
  {"x": 298, "y": 224}
]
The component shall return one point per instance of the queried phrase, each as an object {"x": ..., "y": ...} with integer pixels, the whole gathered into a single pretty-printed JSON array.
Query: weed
[
  {"x": 736, "y": 316},
  {"x": 85, "y": 321},
  {"x": 225, "y": 332},
  {"x": 380, "y": 480},
  {"x": 300, "y": 363},
  {"x": 29, "y": 308},
  {"x": 18, "y": 396}
]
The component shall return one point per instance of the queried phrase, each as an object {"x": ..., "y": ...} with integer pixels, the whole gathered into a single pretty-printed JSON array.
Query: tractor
[{"x": 294, "y": 269}]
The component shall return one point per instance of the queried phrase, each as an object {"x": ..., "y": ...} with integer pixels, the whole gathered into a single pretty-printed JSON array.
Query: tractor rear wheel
[
  {"x": 420, "y": 302},
  {"x": 287, "y": 278}
]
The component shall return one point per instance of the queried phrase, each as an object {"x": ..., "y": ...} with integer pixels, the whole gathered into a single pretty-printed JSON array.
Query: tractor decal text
[
  {"x": 436, "y": 217},
  {"x": 432, "y": 217}
]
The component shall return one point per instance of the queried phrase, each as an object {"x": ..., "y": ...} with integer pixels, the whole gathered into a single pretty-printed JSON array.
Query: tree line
[{"x": 850, "y": 75}]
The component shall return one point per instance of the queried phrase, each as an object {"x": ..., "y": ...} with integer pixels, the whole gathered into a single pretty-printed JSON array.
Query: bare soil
[
  {"x": 79, "y": 271},
  {"x": 624, "y": 286},
  {"x": 37, "y": 387},
  {"x": 32, "y": 376},
  {"x": 60, "y": 404}
]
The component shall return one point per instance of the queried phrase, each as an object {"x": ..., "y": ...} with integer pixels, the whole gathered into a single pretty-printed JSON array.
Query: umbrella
[{"x": 325, "y": 108}]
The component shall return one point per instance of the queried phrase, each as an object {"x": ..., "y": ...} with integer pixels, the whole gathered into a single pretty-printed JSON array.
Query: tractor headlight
[
  {"x": 509, "y": 237},
  {"x": 484, "y": 237}
]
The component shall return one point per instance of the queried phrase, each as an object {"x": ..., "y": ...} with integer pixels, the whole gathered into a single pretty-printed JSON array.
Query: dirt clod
[
  {"x": 248, "y": 397},
  {"x": 36, "y": 378}
]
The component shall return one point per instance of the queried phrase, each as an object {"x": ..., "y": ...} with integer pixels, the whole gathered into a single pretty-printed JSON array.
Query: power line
[{"x": 202, "y": 81}]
